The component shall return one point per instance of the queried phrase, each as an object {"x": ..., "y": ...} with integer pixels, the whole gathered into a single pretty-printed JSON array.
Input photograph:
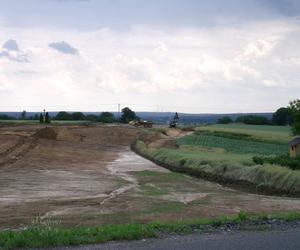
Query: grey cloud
[
  {"x": 11, "y": 45},
  {"x": 11, "y": 51},
  {"x": 64, "y": 47}
]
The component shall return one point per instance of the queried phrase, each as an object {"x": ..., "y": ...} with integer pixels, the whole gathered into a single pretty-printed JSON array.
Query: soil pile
[{"x": 56, "y": 133}]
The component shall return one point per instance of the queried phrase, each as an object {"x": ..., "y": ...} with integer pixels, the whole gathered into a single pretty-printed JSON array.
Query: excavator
[{"x": 173, "y": 123}]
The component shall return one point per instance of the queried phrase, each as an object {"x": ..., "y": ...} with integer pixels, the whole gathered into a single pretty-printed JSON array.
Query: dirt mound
[{"x": 56, "y": 133}]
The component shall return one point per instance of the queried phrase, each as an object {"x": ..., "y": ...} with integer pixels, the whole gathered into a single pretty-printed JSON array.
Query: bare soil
[{"x": 87, "y": 175}]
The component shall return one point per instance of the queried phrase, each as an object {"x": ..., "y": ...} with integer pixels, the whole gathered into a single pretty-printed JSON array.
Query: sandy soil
[{"x": 89, "y": 176}]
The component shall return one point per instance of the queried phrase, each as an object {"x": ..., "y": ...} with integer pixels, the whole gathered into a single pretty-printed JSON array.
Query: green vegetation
[
  {"x": 273, "y": 134},
  {"x": 253, "y": 119},
  {"x": 105, "y": 117},
  {"x": 234, "y": 145},
  {"x": 282, "y": 160},
  {"x": 226, "y": 168},
  {"x": 234, "y": 154},
  {"x": 128, "y": 115},
  {"x": 295, "y": 109},
  {"x": 6, "y": 117},
  {"x": 282, "y": 117},
  {"x": 46, "y": 234},
  {"x": 225, "y": 120}
]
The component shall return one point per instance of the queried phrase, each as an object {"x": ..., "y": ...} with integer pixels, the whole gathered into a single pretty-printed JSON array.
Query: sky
[{"x": 192, "y": 56}]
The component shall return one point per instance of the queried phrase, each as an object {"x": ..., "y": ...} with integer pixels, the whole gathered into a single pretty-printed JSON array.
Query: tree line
[{"x": 283, "y": 116}]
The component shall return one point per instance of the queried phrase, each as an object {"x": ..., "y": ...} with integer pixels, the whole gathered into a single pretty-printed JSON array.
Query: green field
[
  {"x": 225, "y": 153},
  {"x": 240, "y": 146},
  {"x": 267, "y": 133}
]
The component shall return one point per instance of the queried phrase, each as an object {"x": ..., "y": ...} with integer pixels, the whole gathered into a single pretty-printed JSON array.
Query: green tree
[
  {"x": 106, "y": 117},
  {"x": 128, "y": 115},
  {"x": 23, "y": 115},
  {"x": 63, "y": 116},
  {"x": 78, "y": 116},
  {"x": 92, "y": 117},
  {"x": 47, "y": 118},
  {"x": 282, "y": 116},
  {"x": 295, "y": 109},
  {"x": 253, "y": 120},
  {"x": 41, "y": 118},
  {"x": 225, "y": 120}
]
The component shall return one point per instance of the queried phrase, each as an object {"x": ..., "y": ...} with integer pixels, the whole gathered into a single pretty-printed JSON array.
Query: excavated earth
[{"x": 87, "y": 175}]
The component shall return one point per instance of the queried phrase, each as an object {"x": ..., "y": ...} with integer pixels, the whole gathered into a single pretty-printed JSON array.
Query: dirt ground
[{"x": 87, "y": 175}]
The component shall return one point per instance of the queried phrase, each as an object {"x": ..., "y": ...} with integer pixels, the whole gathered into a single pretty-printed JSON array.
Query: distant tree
[
  {"x": 128, "y": 115},
  {"x": 63, "y": 116},
  {"x": 41, "y": 118},
  {"x": 282, "y": 116},
  {"x": 106, "y": 117},
  {"x": 35, "y": 117},
  {"x": 295, "y": 109},
  {"x": 47, "y": 118},
  {"x": 225, "y": 120},
  {"x": 23, "y": 115},
  {"x": 7, "y": 117},
  {"x": 253, "y": 120},
  {"x": 92, "y": 117},
  {"x": 78, "y": 116}
]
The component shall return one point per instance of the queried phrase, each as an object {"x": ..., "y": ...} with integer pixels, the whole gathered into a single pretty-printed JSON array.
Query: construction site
[{"x": 88, "y": 175}]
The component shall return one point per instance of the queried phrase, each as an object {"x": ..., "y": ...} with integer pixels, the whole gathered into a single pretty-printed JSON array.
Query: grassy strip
[
  {"x": 44, "y": 235},
  {"x": 270, "y": 179}
]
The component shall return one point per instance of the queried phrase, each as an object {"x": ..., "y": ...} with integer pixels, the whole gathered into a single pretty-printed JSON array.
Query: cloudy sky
[{"x": 193, "y": 56}]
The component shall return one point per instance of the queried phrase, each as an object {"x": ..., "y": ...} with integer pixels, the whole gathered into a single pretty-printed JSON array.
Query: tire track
[{"x": 18, "y": 151}]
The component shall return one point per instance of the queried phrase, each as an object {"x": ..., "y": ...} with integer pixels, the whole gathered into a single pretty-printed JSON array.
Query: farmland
[{"x": 225, "y": 153}]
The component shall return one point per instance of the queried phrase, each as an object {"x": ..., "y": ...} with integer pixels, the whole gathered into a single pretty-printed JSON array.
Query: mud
[{"x": 98, "y": 179}]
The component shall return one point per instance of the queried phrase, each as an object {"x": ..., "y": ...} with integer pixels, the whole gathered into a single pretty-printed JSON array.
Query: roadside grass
[
  {"x": 240, "y": 146},
  {"x": 273, "y": 134},
  {"x": 44, "y": 234}
]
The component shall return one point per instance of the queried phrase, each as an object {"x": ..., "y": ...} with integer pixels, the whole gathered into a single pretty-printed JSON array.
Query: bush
[
  {"x": 107, "y": 117},
  {"x": 282, "y": 160},
  {"x": 6, "y": 117},
  {"x": 253, "y": 120},
  {"x": 225, "y": 120}
]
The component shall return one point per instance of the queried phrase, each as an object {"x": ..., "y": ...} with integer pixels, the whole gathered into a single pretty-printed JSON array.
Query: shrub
[
  {"x": 282, "y": 160},
  {"x": 253, "y": 120},
  {"x": 225, "y": 120}
]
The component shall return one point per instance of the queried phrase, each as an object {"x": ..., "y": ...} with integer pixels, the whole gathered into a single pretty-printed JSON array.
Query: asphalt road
[{"x": 270, "y": 240}]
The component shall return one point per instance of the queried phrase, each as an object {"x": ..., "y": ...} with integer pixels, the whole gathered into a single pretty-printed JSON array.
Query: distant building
[{"x": 295, "y": 147}]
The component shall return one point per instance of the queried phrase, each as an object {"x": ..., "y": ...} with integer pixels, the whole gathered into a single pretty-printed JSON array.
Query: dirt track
[{"x": 89, "y": 176}]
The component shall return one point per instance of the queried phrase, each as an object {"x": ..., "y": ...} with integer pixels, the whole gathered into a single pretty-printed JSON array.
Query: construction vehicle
[
  {"x": 141, "y": 123},
  {"x": 173, "y": 123}
]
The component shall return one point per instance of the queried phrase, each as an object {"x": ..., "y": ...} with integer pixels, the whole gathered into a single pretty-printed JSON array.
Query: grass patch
[
  {"x": 152, "y": 190},
  {"x": 234, "y": 145},
  {"x": 273, "y": 134},
  {"x": 41, "y": 234}
]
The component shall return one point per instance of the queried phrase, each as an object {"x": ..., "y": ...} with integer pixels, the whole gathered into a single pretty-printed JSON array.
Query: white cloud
[{"x": 224, "y": 63}]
